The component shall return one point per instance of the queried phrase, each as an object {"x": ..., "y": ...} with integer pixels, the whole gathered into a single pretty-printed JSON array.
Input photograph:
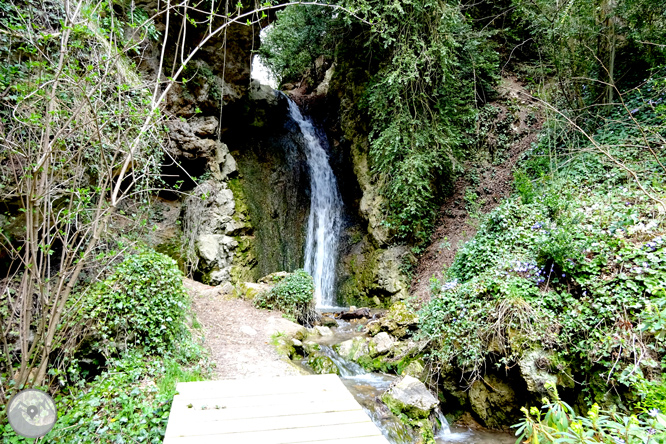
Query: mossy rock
[
  {"x": 415, "y": 369},
  {"x": 250, "y": 291},
  {"x": 410, "y": 397},
  {"x": 322, "y": 364}
]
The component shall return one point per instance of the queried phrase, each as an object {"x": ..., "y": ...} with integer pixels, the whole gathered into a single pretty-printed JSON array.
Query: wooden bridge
[{"x": 292, "y": 409}]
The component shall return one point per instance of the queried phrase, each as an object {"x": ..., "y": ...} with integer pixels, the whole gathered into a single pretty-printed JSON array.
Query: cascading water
[{"x": 325, "y": 220}]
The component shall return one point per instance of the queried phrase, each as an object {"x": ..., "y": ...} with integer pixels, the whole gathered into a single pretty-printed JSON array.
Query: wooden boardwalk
[{"x": 291, "y": 409}]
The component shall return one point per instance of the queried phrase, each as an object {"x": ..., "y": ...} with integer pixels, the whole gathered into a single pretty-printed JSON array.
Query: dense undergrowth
[
  {"x": 133, "y": 345},
  {"x": 570, "y": 272}
]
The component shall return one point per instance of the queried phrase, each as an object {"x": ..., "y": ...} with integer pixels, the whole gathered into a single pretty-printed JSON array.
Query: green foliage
[
  {"x": 427, "y": 63},
  {"x": 559, "y": 424},
  {"x": 128, "y": 403},
  {"x": 420, "y": 100},
  {"x": 591, "y": 42},
  {"x": 293, "y": 295},
  {"x": 142, "y": 304},
  {"x": 576, "y": 268},
  {"x": 301, "y": 34}
]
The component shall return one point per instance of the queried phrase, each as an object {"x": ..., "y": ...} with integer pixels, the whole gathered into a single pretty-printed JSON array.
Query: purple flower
[{"x": 654, "y": 412}]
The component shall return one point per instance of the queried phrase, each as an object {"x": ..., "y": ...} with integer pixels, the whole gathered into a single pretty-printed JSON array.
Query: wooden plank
[
  {"x": 285, "y": 436},
  {"x": 263, "y": 386},
  {"x": 262, "y": 410},
  {"x": 181, "y": 403},
  {"x": 300, "y": 409},
  {"x": 182, "y": 427}
]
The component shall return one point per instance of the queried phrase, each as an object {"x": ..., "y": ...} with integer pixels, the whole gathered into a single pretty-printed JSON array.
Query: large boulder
[
  {"x": 352, "y": 349},
  {"x": 278, "y": 324},
  {"x": 410, "y": 397},
  {"x": 380, "y": 344},
  {"x": 250, "y": 291}
]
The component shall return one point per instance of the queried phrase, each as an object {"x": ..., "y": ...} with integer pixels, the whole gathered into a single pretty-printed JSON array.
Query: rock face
[
  {"x": 195, "y": 139},
  {"x": 273, "y": 180},
  {"x": 534, "y": 370},
  {"x": 212, "y": 225},
  {"x": 410, "y": 397},
  {"x": 494, "y": 401},
  {"x": 375, "y": 277}
]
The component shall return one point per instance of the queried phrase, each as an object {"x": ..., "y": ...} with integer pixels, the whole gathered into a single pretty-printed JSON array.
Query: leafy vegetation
[
  {"x": 142, "y": 304},
  {"x": 129, "y": 402},
  {"x": 573, "y": 264},
  {"x": 293, "y": 295},
  {"x": 430, "y": 63},
  {"x": 560, "y": 424}
]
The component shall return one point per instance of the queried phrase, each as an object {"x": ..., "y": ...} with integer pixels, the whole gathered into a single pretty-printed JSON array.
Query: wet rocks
[
  {"x": 410, "y": 397},
  {"x": 352, "y": 349},
  {"x": 356, "y": 314},
  {"x": 322, "y": 331},
  {"x": 322, "y": 364},
  {"x": 328, "y": 321}
]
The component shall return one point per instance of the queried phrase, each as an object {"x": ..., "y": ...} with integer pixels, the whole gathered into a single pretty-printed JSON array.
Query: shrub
[
  {"x": 294, "y": 296},
  {"x": 143, "y": 303}
]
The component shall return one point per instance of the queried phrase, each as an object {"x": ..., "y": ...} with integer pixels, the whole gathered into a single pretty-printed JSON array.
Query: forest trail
[{"x": 238, "y": 335}]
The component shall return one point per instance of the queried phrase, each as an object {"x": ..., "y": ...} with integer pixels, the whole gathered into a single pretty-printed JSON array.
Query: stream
[
  {"x": 321, "y": 255},
  {"x": 367, "y": 387}
]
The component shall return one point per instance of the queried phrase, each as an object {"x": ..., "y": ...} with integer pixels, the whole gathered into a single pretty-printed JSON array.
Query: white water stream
[{"x": 325, "y": 220}]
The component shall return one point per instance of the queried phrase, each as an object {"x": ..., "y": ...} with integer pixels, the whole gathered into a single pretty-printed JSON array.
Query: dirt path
[{"x": 239, "y": 335}]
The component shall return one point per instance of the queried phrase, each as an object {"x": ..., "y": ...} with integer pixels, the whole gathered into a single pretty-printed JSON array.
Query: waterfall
[{"x": 325, "y": 220}]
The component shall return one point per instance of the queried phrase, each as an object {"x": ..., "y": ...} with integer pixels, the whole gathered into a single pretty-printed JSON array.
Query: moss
[
  {"x": 359, "y": 289},
  {"x": 412, "y": 418},
  {"x": 322, "y": 364},
  {"x": 172, "y": 248},
  {"x": 245, "y": 261},
  {"x": 239, "y": 197},
  {"x": 245, "y": 256}
]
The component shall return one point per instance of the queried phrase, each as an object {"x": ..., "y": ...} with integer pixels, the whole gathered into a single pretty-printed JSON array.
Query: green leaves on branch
[{"x": 142, "y": 304}]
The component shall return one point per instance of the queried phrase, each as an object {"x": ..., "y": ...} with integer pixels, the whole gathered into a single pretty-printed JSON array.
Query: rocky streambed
[{"x": 384, "y": 372}]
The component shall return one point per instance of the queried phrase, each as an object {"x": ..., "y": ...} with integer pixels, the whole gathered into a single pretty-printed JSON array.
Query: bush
[
  {"x": 143, "y": 303},
  {"x": 294, "y": 296}
]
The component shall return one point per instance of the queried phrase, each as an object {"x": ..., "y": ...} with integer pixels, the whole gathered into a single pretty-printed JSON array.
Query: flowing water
[
  {"x": 325, "y": 220},
  {"x": 367, "y": 388}
]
